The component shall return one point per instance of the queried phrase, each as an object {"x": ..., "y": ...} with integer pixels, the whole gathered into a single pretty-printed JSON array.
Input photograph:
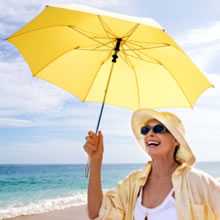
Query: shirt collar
[{"x": 180, "y": 170}]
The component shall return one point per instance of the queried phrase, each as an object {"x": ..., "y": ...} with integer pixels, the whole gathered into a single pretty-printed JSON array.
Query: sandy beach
[{"x": 73, "y": 213}]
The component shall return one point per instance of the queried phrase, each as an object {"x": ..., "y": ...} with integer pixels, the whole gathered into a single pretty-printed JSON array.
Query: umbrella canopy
[{"x": 72, "y": 47}]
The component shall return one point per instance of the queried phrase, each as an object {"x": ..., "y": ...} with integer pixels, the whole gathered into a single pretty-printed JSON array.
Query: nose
[{"x": 149, "y": 134}]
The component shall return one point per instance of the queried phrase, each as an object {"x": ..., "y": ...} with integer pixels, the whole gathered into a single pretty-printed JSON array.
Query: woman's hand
[{"x": 94, "y": 146}]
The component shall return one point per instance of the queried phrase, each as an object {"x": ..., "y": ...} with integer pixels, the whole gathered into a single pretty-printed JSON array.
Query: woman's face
[{"x": 159, "y": 144}]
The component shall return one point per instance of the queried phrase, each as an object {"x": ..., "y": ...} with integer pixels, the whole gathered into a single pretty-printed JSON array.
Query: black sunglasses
[{"x": 157, "y": 129}]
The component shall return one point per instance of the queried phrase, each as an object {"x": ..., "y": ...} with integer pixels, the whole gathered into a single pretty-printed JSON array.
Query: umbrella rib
[
  {"x": 141, "y": 58},
  {"x": 181, "y": 88},
  {"x": 68, "y": 26},
  {"x": 146, "y": 48},
  {"x": 37, "y": 29},
  {"x": 140, "y": 43},
  {"x": 102, "y": 63},
  {"x": 94, "y": 49},
  {"x": 128, "y": 61},
  {"x": 140, "y": 52},
  {"x": 130, "y": 32},
  {"x": 56, "y": 58},
  {"x": 42, "y": 28},
  {"x": 138, "y": 57},
  {"x": 106, "y": 28},
  {"x": 91, "y": 38}
]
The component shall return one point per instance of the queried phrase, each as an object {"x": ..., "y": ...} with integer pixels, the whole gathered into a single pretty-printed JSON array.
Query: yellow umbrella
[
  {"x": 76, "y": 48},
  {"x": 72, "y": 47}
]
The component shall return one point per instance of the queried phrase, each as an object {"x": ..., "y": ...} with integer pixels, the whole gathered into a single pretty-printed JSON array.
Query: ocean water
[{"x": 29, "y": 189}]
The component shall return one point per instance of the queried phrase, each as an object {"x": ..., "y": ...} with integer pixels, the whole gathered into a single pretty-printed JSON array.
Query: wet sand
[{"x": 73, "y": 213}]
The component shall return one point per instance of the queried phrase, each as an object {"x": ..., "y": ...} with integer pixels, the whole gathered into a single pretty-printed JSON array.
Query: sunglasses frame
[{"x": 152, "y": 128}]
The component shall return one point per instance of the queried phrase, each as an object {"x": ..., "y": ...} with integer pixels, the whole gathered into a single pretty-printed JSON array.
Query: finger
[
  {"x": 100, "y": 135},
  {"x": 100, "y": 142},
  {"x": 88, "y": 150},
  {"x": 90, "y": 140},
  {"x": 91, "y": 133},
  {"x": 91, "y": 146}
]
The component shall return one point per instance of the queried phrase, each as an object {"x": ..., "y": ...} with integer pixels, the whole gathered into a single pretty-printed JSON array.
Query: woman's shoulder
[
  {"x": 134, "y": 174},
  {"x": 206, "y": 186},
  {"x": 196, "y": 174}
]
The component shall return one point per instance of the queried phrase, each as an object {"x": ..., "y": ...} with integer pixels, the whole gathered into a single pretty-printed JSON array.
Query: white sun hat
[{"x": 171, "y": 122}]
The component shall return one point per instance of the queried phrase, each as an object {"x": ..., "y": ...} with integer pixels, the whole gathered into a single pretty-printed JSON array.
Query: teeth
[{"x": 153, "y": 142}]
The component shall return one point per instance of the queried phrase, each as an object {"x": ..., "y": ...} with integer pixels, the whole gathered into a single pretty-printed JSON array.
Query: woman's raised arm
[{"x": 94, "y": 149}]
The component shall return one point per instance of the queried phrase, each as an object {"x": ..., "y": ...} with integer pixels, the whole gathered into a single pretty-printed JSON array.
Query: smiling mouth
[{"x": 152, "y": 145}]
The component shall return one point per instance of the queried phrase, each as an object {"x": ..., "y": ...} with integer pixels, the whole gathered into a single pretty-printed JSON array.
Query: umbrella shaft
[
  {"x": 114, "y": 59},
  {"x": 103, "y": 102}
]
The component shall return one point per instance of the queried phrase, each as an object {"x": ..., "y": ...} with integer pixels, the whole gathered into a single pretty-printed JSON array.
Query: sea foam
[{"x": 42, "y": 206}]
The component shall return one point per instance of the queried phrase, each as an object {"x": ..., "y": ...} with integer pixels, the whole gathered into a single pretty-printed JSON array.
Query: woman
[{"x": 167, "y": 188}]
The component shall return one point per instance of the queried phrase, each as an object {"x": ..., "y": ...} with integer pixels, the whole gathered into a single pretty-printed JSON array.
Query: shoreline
[{"x": 73, "y": 213}]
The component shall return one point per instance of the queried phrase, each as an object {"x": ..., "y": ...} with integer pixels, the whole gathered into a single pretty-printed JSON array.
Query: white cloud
[
  {"x": 210, "y": 99},
  {"x": 202, "y": 127},
  {"x": 44, "y": 151},
  {"x": 102, "y": 3},
  {"x": 202, "y": 44},
  {"x": 21, "y": 92},
  {"x": 203, "y": 35},
  {"x": 14, "y": 12},
  {"x": 13, "y": 122},
  {"x": 202, "y": 131}
]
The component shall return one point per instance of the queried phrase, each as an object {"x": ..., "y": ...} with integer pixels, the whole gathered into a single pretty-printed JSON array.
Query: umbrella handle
[
  {"x": 87, "y": 168},
  {"x": 97, "y": 127},
  {"x": 114, "y": 59}
]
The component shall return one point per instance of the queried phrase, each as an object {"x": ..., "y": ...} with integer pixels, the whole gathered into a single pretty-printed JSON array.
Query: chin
[{"x": 154, "y": 151}]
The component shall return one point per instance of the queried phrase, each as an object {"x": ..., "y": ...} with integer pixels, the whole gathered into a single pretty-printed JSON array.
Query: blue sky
[{"x": 40, "y": 123}]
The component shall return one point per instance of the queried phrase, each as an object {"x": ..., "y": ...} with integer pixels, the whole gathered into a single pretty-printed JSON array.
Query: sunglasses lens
[
  {"x": 159, "y": 129},
  {"x": 145, "y": 130}
]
